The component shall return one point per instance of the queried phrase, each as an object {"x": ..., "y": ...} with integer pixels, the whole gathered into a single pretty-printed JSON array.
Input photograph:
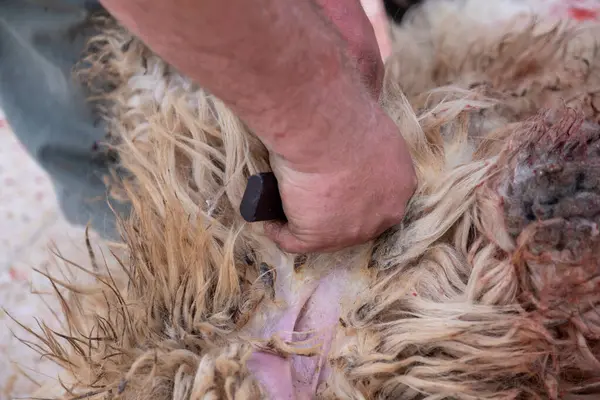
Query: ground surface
[{"x": 30, "y": 225}]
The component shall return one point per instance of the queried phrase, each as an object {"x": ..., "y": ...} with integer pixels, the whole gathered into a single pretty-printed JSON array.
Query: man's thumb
[{"x": 280, "y": 233}]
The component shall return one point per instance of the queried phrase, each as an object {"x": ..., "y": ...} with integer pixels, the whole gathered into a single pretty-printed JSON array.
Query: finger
[
  {"x": 357, "y": 31},
  {"x": 376, "y": 13},
  {"x": 280, "y": 233}
]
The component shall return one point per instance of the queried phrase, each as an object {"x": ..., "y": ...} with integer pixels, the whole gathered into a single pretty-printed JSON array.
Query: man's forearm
[{"x": 278, "y": 64}]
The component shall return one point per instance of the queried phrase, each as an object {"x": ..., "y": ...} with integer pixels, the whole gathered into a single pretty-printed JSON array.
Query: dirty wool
[{"x": 488, "y": 289}]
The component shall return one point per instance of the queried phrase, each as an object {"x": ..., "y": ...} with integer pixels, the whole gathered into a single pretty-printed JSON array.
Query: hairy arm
[
  {"x": 276, "y": 63},
  {"x": 286, "y": 70}
]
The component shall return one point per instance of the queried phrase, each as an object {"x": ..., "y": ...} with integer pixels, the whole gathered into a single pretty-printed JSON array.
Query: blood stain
[{"x": 582, "y": 14}]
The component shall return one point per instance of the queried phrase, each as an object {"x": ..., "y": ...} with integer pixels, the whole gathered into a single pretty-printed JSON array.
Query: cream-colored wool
[{"x": 487, "y": 290}]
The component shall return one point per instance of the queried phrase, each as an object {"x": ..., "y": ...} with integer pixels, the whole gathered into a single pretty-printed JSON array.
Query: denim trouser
[{"x": 40, "y": 42}]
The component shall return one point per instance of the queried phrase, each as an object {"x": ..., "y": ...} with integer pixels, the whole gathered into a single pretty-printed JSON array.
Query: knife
[{"x": 261, "y": 200}]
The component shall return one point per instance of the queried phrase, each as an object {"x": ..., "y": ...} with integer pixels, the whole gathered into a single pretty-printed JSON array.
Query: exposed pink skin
[
  {"x": 274, "y": 373},
  {"x": 311, "y": 319},
  {"x": 321, "y": 315}
]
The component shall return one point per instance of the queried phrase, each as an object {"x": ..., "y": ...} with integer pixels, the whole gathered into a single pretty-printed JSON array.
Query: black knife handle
[{"x": 261, "y": 200}]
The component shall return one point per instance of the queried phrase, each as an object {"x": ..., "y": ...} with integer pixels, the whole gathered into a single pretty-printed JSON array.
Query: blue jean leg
[{"x": 40, "y": 42}]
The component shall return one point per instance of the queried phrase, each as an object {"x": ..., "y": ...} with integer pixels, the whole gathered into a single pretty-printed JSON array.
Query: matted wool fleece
[{"x": 487, "y": 290}]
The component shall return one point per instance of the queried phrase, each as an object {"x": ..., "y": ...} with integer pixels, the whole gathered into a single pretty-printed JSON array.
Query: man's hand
[
  {"x": 349, "y": 202},
  {"x": 308, "y": 89},
  {"x": 345, "y": 206}
]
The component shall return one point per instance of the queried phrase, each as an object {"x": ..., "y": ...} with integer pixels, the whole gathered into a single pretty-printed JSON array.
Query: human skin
[{"x": 305, "y": 77}]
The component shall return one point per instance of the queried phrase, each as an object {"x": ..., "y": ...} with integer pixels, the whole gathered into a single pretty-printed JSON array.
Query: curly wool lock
[{"x": 487, "y": 290}]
